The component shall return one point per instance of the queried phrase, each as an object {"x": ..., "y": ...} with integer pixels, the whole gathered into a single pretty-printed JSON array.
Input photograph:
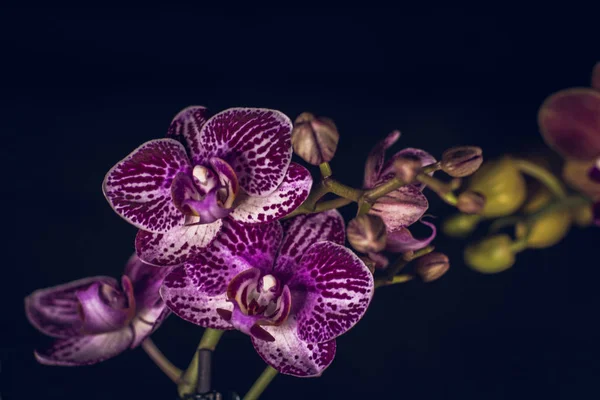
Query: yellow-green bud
[
  {"x": 460, "y": 225},
  {"x": 490, "y": 255}
]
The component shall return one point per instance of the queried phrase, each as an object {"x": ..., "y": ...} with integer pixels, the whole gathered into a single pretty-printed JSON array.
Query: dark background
[{"x": 82, "y": 88}]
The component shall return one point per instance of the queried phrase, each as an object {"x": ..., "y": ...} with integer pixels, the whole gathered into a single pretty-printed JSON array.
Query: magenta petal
[
  {"x": 255, "y": 142},
  {"x": 400, "y": 208},
  {"x": 86, "y": 350},
  {"x": 286, "y": 198},
  {"x": 336, "y": 287},
  {"x": 290, "y": 355},
  {"x": 303, "y": 231},
  {"x": 387, "y": 171},
  {"x": 186, "y": 127},
  {"x": 402, "y": 240},
  {"x": 54, "y": 311},
  {"x": 376, "y": 159},
  {"x": 138, "y": 187},
  {"x": 177, "y": 246},
  {"x": 105, "y": 308}
]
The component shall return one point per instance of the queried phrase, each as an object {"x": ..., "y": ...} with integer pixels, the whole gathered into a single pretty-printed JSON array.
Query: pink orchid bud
[
  {"x": 461, "y": 161},
  {"x": 432, "y": 266},
  {"x": 471, "y": 202},
  {"x": 367, "y": 233},
  {"x": 407, "y": 168},
  {"x": 314, "y": 139}
]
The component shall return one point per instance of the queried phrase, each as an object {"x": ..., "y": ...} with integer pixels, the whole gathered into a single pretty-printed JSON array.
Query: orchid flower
[
  {"x": 178, "y": 190},
  {"x": 293, "y": 289},
  {"x": 402, "y": 207},
  {"x": 93, "y": 319}
]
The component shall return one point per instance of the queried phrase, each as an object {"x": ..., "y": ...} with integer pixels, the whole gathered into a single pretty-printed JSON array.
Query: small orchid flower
[
  {"x": 93, "y": 319},
  {"x": 402, "y": 207},
  {"x": 292, "y": 289},
  {"x": 178, "y": 190}
]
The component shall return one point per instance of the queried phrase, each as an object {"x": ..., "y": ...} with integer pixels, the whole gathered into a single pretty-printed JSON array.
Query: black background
[{"x": 82, "y": 88}]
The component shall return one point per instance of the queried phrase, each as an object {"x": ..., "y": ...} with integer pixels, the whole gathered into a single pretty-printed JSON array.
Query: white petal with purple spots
[{"x": 186, "y": 127}]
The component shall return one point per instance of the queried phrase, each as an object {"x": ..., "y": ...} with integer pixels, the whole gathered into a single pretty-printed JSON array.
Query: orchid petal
[
  {"x": 401, "y": 207},
  {"x": 376, "y": 159},
  {"x": 336, "y": 288},
  {"x": 569, "y": 121},
  {"x": 147, "y": 321},
  {"x": 286, "y": 198},
  {"x": 402, "y": 240},
  {"x": 186, "y": 127},
  {"x": 255, "y": 142},
  {"x": 138, "y": 187},
  {"x": 303, "y": 231},
  {"x": 290, "y": 355},
  {"x": 387, "y": 171},
  {"x": 177, "y": 246},
  {"x": 86, "y": 350},
  {"x": 54, "y": 311}
]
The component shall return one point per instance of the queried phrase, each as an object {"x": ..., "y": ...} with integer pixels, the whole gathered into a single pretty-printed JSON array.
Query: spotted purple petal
[
  {"x": 376, "y": 159},
  {"x": 304, "y": 230},
  {"x": 54, "y": 311},
  {"x": 255, "y": 142},
  {"x": 336, "y": 288},
  {"x": 387, "y": 171},
  {"x": 138, "y": 187},
  {"x": 177, "y": 246},
  {"x": 290, "y": 355},
  {"x": 287, "y": 197},
  {"x": 86, "y": 350},
  {"x": 402, "y": 207},
  {"x": 402, "y": 240},
  {"x": 186, "y": 127},
  {"x": 569, "y": 121}
]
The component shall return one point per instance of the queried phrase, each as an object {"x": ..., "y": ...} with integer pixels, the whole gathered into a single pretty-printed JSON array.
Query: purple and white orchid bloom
[
  {"x": 236, "y": 164},
  {"x": 94, "y": 319},
  {"x": 402, "y": 207},
  {"x": 293, "y": 289}
]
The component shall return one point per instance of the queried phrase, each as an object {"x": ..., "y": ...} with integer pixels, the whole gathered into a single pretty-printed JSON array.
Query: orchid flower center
[{"x": 207, "y": 194}]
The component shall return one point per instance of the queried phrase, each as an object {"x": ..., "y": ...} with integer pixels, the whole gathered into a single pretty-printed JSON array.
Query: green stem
[
  {"x": 393, "y": 281},
  {"x": 332, "y": 204},
  {"x": 261, "y": 383},
  {"x": 342, "y": 190},
  {"x": 189, "y": 380},
  {"x": 399, "y": 264},
  {"x": 443, "y": 190},
  {"x": 325, "y": 170},
  {"x": 161, "y": 361},
  {"x": 543, "y": 175}
]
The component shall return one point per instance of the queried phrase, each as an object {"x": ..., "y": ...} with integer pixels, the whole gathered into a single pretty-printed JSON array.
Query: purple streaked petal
[
  {"x": 177, "y": 246},
  {"x": 284, "y": 307},
  {"x": 286, "y": 198},
  {"x": 186, "y": 127},
  {"x": 54, "y": 311},
  {"x": 138, "y": 187},
  {"x": 290, "y": 355},
  {"x": 387, "y": 171},
  {"x": 196, "y": 293},
  {"x": 400, "y": 208},
  {"x": 376, "y": 159},
  {"x": 594, "y": 173},
  {"x": 106, "y": 308},
  {"x": 255, "y": 142},
  {"x": 228, "y": 180},
  {"x": 86, "y": 350},
  {"x": 241, "y": 286},
  {"x": 402, "y": 240},
  {"x": 335, "y": 288},
  {"x": 303, "y": 231}
]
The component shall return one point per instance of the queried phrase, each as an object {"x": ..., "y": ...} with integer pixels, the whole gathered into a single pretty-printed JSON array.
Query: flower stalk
[
  {"x": 261, "y": 383},
  {"x": 162, "y": 362},
  {"x": 189, "y": 380}
]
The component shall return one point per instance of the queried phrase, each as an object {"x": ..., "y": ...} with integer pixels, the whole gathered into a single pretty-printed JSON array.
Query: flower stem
[
  {"x": 542, "y": 175},
  {"x": 161, "y": 361},
  {"x": 261, "y": 383},
  {"x": 325, "y": 170},
  {"x": 342, "y": 190},
  {"x": 189, "y": 379},
  {"x": 399, "y": 264},
  {"x": 332, "y": 204},
  {"x": 443, "y": 190}
]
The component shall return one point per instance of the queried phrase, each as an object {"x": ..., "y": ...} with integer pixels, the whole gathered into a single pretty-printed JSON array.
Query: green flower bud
[
  {"x": 491, "y": 255},
  {"x": 460, "y": 225}
]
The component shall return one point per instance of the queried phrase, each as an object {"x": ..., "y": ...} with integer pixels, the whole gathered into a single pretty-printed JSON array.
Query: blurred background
[{"x": 81, "y": 88}]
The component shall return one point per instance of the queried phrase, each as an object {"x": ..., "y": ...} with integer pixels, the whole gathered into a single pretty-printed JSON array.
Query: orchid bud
[
  {"x": 502, "y": 185},
  {"x": 314, "y": 139},
  {"x": 491, "y": 255},
  {"x": 432, "y": 266},
  {"x": 583, "y": 216},
  {"x": 407, "y": 168},
  {"x": 546, "y": 230},
  {"x": 367, "y": 233},
  {"x": 470, "y": 202},
  {"x": 460, "y": 225},
  {"x": 462, "y": 161}
]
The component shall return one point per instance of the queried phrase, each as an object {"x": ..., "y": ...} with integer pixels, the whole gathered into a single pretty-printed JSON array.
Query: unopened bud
[
  {"x": 460, "y": 225},
  {"x": 367, "y": 233},
  {"x": 470, "y": 202},
  {"x": 314, "y": 139},
  {"x": 461, "y": 161},
  {"x": 407, "y": 168},
  {"x": 432, "y": 266},
  {"x": 491, "y": 255}
]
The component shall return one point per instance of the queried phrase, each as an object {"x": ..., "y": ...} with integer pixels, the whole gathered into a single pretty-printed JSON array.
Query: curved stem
[
  {"x": 543, "y": 175},
  {"x": 332, "y": 204},
  {"x": 189, "y": 379},
  {"x": 261, "y": 383},
  {"x": 161, "y": 361},
  {"x": 399, "y": 264}
]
